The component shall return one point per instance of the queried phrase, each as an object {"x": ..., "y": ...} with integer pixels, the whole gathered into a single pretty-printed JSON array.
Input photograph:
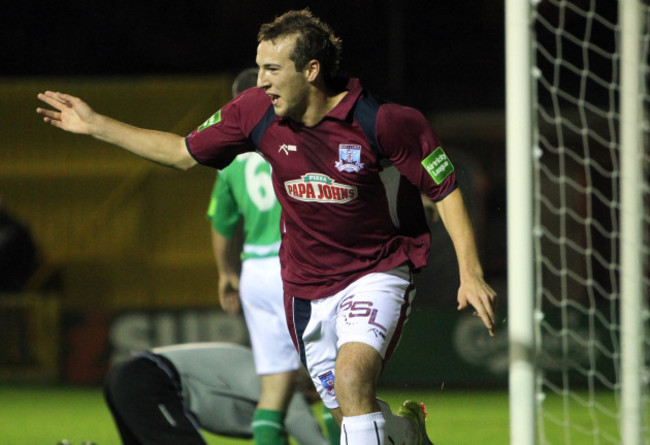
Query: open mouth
[{"x": 274, "y": 98}]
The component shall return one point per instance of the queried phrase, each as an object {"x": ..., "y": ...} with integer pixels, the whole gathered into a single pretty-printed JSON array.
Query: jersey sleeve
[
  {"x": 226, "y": 134},
  {"x": 408, "y": 141},
  {"x": 223, "y": 211}
]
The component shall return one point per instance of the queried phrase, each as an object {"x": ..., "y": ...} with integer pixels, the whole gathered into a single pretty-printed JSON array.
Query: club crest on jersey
[
  {"x": 327, "y": 380},
  {"x": 349, "y": 158},
  {"x": 316, "y": 187}
]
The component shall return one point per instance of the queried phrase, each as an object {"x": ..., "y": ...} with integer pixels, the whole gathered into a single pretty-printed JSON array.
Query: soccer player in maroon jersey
[{"x": 347, "y": 170}]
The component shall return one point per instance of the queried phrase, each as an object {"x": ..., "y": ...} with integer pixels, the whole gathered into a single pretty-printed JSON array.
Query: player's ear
[{"x": 312, "y": 70}]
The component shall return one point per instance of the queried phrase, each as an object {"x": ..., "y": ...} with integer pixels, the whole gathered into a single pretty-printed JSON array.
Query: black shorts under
[{"x": 145, "y": 398}]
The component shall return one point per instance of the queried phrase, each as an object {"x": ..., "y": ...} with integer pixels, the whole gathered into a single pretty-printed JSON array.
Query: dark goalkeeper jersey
[{"x": 348, "y": 186}]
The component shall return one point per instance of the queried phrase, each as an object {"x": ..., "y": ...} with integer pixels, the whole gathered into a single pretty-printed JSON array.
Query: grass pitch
[{"x": 44, "y": 415}]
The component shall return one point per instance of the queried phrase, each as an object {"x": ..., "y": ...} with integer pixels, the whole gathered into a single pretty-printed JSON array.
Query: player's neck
[{"x": 321, "y": 103}]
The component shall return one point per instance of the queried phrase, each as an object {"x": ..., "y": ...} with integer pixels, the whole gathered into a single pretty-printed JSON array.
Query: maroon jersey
[{"x": 348, "y": 186}]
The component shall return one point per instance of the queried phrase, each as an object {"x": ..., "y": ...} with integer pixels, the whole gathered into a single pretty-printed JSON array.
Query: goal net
[{"x": 590, "y": 219}]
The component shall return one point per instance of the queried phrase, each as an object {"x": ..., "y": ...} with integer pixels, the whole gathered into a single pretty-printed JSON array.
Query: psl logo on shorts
[{"x": 327, "y": 380}]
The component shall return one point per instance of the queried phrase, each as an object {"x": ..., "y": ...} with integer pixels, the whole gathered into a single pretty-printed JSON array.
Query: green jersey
[{"x": 244, "y": 190}]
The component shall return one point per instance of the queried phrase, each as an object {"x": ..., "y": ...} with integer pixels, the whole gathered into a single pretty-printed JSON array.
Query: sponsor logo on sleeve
[
  {"x": 438, "y": 165},
  {"x": 214, "y": 119},
  {"x": 316, "y": 187},
  {"x": 349, "y": 158}
]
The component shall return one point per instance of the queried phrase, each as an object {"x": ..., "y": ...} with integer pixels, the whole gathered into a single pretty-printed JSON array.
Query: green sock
[
  {"x": 268, "y": 427},
  {"x": 333, "y": 429}
]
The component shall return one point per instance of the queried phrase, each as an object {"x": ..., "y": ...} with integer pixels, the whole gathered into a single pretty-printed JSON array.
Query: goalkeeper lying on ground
[{"x": 167, "y": 395}]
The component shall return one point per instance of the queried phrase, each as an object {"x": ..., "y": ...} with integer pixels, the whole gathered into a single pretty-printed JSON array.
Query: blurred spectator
[
  {"x": 18, "y": 262},
  {"x": 18, "y": 259}
]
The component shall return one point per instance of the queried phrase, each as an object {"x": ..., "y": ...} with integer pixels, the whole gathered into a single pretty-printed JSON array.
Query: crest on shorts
[
  {"x": 349, "y": 158},
  {"x": 327, "y": 380}
]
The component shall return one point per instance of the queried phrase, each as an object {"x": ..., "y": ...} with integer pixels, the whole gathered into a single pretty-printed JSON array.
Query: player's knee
[{"x": 357, "y": 370}]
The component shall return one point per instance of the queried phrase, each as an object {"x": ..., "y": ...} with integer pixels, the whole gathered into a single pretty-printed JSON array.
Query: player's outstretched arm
[
  {"x": 473, "y": 289},
  {"x": 72, "y": 114}
]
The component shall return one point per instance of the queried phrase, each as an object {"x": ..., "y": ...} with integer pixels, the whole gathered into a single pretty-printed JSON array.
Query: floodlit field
[{"x": 32, "y": 415}]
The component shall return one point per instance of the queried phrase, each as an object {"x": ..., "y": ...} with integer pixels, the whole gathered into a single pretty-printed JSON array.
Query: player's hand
[
  {"x": 73, "y": 114},
  {"x": 229, "y": 298},
  {"x": 481, "y": 297}
]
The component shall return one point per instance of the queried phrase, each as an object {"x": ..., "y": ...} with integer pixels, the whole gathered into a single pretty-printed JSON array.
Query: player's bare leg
[
  {"x": 277, "y": 390},
  {"x": 357, "y": 371},
  {"x": 365, "y": 418},
  {"x": 268, "y": 421}
]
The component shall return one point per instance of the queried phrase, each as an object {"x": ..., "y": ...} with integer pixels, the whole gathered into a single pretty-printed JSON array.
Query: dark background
[
  {"x": 445, "y": 58},
  {"x": 430, "y": 54}
]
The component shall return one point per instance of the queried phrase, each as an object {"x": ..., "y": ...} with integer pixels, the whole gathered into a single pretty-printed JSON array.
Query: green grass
[
  {"x": 42, "y": 415},
  {"x": 579, "y": 418},
  {"x": 460, "y": 418}
]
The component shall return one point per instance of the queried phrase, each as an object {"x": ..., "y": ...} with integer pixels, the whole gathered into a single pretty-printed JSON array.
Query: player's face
[{"x": 287, "y": 88}]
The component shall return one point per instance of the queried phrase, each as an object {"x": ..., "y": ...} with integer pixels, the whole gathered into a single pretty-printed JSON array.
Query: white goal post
[{"x": 578, "y": 164}]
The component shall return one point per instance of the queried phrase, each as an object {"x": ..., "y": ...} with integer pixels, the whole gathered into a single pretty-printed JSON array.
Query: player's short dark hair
[{"x": 315, "y": 40}]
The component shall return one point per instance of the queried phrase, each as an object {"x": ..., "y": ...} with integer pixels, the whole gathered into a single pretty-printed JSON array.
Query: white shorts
[
  {"x": 262, "y": 300},
  {"x": 371, "y": 310}
]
